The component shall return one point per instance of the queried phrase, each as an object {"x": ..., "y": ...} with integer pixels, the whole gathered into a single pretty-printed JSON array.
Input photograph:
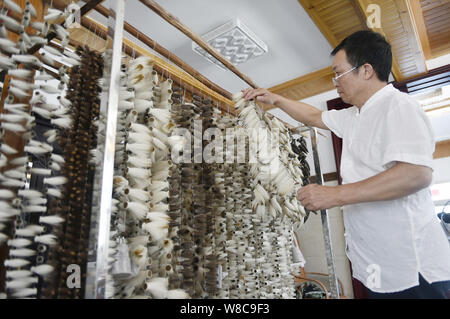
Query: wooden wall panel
[
  {"x": 442, "y": 149},
  {"x": 305, "y": 86}
]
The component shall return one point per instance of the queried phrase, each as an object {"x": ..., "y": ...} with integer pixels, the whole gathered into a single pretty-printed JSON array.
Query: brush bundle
[
  {"x": 298, "y": 146},
  {"x": 253, "y": 251},
  {"x": 74, "y": 203},
  {"x": 188, "y": 225},
  {"x": 143, "y": 218},
  {"x": 183, "y": 224},
  {"x": 274, "y": 167},
  {"x": 32, "y": 178}
]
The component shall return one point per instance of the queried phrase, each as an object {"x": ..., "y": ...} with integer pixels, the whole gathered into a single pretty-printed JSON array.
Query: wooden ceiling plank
[
  {"x": 325, "y": 7},
  {"x": 319, "y": 23},
  {"x": 431, "y": 6},
  {"x": 443, "y": 16},
  {"x": 437, "y": 10},
  {"x": 437, "y": 25},
  {"x": 442, "y": 38},
  {"x": 416, "y": 13},
  {"x": 342, "y": 7},
  {"x": 344, "y": 21}
]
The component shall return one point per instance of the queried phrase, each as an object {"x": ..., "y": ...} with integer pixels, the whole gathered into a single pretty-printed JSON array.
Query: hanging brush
[
  {"x": 23, "y": 85},
  {"x": 140, "y": 128},
  {"x": 19, "y": 93},
  {"x": 43, "y": 76},
  {"x": 138, "y": 161},
  {"x": 42, "y": 112},
  {"x": 30, "y": 229},
  {"x": 6, "y": 149},
  {"x": 27, "y": 292},
  {"x": 22, "y": 283},
  {"x": 16, "y": 107},
  {"x": 27, "y": 59},
  {"x": 29, "y": 193},
  {"x": 139, "y": 138},
  {"x": 14, "y": 174},
  {"x": 16, "y": 263},
  {"x": 157, "y": 216},
  {"x": 64, "y": 122},
  {"x": 137, "y": 194},
  {"x": 35, "y": 150},
  {"x": 55, "y": 181},
  {"x": 142, "y": 150},
  {"x": 22, "y": 252},
  {"x": 157, "y": 287},
  {"x": 6, "y": 194},
  {"x": 157, "y": 229},
  {"x": 54, "y": 166},
  {"x": 53, "y": 14},
  {"x": 13, "y": 183},
  {"x": 50, "y": 89},
  {"x": 51, "y": 220},
  {"x": 12, "y": 6},
  {"x": 48, "y": 239},
  {"x": 11, "y": 23},
  {"x": 19, "y": 243},
  {"x": 140, "y": 173},
  {"x": 34, "y": 209},
  {"x": 136, "y": 209},
  {"x": 42, "y": 270},
  {"x": 54, "y": 192},
  {"x": 21, "y": 73}
]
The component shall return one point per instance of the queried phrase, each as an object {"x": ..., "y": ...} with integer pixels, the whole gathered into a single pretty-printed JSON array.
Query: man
[{"x": 393, "y": 237}]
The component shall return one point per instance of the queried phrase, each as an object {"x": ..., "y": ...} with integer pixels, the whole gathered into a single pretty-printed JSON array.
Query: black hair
[{"x": 368, "y": 47}]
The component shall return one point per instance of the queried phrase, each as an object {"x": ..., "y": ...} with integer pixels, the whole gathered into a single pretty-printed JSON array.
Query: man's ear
[{"x": 369, "y": 71}]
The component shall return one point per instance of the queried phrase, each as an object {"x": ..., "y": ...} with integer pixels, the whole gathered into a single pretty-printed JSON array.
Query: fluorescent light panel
[{"x": 235, "y": 41}]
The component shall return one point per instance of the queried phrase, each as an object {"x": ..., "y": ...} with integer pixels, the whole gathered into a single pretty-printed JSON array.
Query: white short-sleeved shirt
[{"x": 389, "y": 242}]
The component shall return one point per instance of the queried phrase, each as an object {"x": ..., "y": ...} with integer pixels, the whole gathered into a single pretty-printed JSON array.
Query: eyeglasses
[{"x": 336, "y": 78}]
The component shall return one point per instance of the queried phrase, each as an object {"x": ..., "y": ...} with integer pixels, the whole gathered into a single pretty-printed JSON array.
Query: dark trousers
[{"x": 425, "y": 290}]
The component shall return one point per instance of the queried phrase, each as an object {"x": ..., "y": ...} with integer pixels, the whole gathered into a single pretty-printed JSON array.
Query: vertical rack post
[
  {"x": 97, "y": 267},
  {"x": 334, "y": 286}
]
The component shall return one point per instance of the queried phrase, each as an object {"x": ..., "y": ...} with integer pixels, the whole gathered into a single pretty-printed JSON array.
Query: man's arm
[
  {"x": 301, "y": 112},
  {"x": 398, "y": 181}
]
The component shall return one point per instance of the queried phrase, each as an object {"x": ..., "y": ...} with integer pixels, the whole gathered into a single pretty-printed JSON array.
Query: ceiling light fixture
[{"x": 235, "y": 41}]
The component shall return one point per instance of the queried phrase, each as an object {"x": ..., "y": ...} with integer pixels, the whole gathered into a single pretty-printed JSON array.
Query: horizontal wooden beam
[
  {"x": 325, "y": 72},
  {"x": 417, "y": 15}
]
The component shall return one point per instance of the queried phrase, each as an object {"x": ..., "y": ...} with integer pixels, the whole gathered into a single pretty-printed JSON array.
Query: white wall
[{"x": 441, "y": 173}]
